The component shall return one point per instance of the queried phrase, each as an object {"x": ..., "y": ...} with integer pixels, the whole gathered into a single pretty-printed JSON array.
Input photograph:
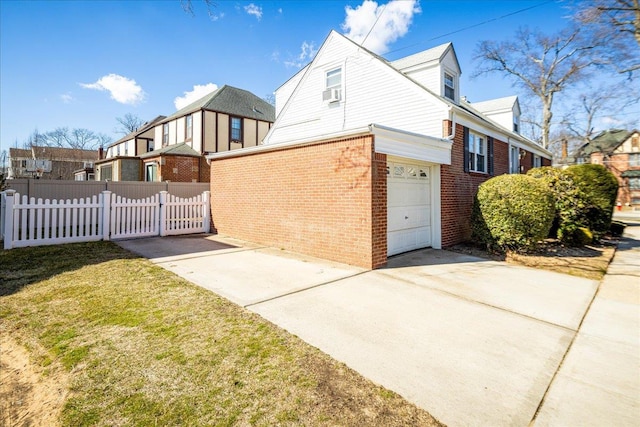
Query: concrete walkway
[{"x": 474, "y": 342}]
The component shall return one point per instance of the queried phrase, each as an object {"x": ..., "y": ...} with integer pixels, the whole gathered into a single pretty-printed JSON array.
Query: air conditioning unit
[{"x": 331, "y": 95}]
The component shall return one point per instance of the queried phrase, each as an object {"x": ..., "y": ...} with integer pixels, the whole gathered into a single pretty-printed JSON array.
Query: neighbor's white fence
[{"x": 33, "y": 222}]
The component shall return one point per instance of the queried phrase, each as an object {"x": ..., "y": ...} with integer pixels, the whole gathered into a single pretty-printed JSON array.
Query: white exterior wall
[
  {"x": 504, "y": 118},
  {"x": 180, "y": 129},
  {"x": 172, "y": 132},
  {"x": 284, "y": 92},
  {"x": 197, "y": 131},
  {"x": 428, "y": 77},
  {"x": 372, "y": 92},
  {"x": 157, "y": 138}
]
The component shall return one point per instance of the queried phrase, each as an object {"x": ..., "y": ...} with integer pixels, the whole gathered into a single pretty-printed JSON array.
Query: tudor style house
[
  {"x": 619, "y": 151},
  {"x": 369, "y": 158},
  {"x": 173, "y": 148}
]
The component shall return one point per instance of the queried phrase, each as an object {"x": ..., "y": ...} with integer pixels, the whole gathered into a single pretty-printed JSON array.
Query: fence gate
[{"x": 34, "y": 222}]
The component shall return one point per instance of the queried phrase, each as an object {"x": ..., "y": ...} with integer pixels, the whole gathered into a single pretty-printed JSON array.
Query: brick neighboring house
[
  {"x": 174, "y": 148},
  {"x": 49, "y": 162},
  {"x": 369, "y": 158},
  {"x": 619, "y": 151}
]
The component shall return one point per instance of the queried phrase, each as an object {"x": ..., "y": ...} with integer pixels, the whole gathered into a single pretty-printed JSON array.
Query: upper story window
[
  {"x": 333, "y": 85},
  {"x": 634, "y": 159},
  {"x": 449, "y": 86},
  {"x": 165, "y": 134},
  {"x": 236, "y": 129},
  {"x": 118, "y": 150},
  {"x": 188, "y": 129},
  {"x": 516, "y": 124},
  {"x": 477, "y": 153},
  {"x": 149, "y": 145}
]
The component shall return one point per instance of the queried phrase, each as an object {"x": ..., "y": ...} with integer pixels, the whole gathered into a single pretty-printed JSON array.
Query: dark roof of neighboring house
[
  {"x": 605, "y": 142},
  {"x": 631, "y": 174},
  {"x": 54, "y": 153},
  {"x": 176, "y": 150},
  {"x": 232, "y": 101},
  {"x": 142, "y": 129}
]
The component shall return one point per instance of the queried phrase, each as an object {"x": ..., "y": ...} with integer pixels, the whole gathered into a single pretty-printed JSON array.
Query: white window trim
[
  {"x": 473, "y": 136},
  {"x": 514, "y": 166},
  {"x": 454, "y": 77}
]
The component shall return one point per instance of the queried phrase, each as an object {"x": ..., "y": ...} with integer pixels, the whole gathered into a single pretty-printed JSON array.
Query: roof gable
[
  {"x": 230, "y": 100},
  {"x": 605, "y": 142},
  {"x": 426, "y": 57},
  {"x": 496, "y": 105}
]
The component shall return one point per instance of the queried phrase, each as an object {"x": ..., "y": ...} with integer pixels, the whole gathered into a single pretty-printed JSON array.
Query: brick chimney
[{"x": 565, "y": 149}]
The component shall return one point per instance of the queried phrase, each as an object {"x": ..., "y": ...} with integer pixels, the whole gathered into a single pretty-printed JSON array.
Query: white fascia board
[{"x": 410, "y": 145}]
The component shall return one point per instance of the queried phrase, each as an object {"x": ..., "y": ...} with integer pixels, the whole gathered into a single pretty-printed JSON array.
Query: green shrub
[
  {"x": 512, "y": 212},
  {"x": 600, "y": 188},
  {"x": 578, "y": 236},
  {"x": 570, "y": 203}
]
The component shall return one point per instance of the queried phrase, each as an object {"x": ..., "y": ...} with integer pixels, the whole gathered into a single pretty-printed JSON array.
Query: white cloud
[
  {"x": 280, "y": 10},
  {"x": 215, "y": 17},
  {"x": 394, "y": 20},
  {"x": 307, "y": 52},
  {"x": 198, "y": 92},
  {"x": 254, "y": 10},
  {"x": 609, "y": 121},
  {"x": 122, "y": 89},
  {"x": 66, "y": 98}
]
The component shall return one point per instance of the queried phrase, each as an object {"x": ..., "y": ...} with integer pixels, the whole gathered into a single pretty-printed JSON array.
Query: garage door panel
[{"x": 408, "y": 208}]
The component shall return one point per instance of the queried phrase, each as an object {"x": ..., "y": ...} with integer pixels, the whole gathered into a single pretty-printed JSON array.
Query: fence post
[
  {"x": 163, "y": 213},
  {"x": 106, "y": 215},
  {"x": 8, "y": 218},
  {"x": 207, "y": 211}
]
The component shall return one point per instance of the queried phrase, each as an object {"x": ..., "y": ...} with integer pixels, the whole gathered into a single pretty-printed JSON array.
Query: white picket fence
[{"x": 34, "y": 222}]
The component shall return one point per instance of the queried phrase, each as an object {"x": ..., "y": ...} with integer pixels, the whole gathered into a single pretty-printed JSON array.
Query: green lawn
[{"x": 141, "y": 346}]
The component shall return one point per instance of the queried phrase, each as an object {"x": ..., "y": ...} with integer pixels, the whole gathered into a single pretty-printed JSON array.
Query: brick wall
[
  {"x": 314, "y": 199},
  {"x": 180, "y": 169},
  {"x": 459, "y": 188},
  {"x": 204, "y": 174}
]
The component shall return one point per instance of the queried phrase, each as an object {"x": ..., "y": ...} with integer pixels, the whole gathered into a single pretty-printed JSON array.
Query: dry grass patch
[{"x": 141, "y": 346}]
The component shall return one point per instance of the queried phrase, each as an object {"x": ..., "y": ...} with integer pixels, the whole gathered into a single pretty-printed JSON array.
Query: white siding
[
  {"x": 284, "y": 92},
  {"x": 372, "y": 92},
  {"x": 428, "y": 77},
  {"x": 172, "y": 132},
  {"x": 157, "y": 139}
]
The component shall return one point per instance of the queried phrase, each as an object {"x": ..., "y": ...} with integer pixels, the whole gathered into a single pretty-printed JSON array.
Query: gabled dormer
[
  {"x": 504, "y": 111},
  {"x": 437, "y": 69}
]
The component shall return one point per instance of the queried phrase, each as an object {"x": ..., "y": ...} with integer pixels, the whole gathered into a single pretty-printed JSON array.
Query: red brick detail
[
  {"x": 526, "y": 163},
  {"x": 326, "y": 200},
  {"x": 458, "y": 189},
  {"x": 204, "y": 174},
  {"x": 180, "y": 169},
  {"x": 546, "y": 162},
  {"x": 617, "y": 163}
]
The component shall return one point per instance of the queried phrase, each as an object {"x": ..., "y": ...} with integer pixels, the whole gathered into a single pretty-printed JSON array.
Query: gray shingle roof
[
  {"x": 497, "y": 104},
  {"x": 433, "y": 54},
  {"x": 176, "y": 149},
  {"x": 233, "y": 101}
]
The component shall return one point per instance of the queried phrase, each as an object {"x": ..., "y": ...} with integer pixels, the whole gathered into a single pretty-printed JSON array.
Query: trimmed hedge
[
  {"x": 512, "y": 212},
  {"x": 600, "y": 188},
  {"x": 571, "y": 203}
]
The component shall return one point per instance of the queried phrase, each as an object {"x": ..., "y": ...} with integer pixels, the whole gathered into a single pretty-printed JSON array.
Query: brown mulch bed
[{"x": 589, "y": 261}]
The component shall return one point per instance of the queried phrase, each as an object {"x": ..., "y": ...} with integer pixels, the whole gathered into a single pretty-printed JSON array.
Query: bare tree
[
  {"x": 128, "y": 124},
  {"x": 543, "y": 65},
  {"x": 617, "y": 22},
  {"x": 187, "y": 6},
  {"x": 80, "y": 138}
]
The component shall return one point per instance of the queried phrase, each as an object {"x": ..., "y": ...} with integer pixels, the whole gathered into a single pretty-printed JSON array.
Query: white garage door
[{"x": 408, "y": 207}]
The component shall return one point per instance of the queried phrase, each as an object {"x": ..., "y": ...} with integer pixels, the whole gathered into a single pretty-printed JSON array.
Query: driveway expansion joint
[{"x": 297, "y": 291}]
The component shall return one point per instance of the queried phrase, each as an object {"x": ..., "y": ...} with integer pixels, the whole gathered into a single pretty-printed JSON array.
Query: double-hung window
[
  {"x": 477, "y": 153},
  {"x": 634, "y": 183},
  {"x": 634, "y": 159},
  {"x": 449, "y": 86},
  {"x": 537, "y": 161},
  {"x": 188, "y": 128},
  {"x": 236, "y": 129},
  {"x": 165, "y": 134}
]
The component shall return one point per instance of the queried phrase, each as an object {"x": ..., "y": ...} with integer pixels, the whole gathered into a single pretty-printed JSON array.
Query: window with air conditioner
[{"x": 333, "y": 86}]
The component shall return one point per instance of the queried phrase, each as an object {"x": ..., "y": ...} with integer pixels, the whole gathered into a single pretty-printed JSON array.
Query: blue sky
[{"x": 82, "y": 64}]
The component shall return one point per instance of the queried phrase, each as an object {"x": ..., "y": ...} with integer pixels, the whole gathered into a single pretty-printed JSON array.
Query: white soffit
[{"x": 411, "y": 145}]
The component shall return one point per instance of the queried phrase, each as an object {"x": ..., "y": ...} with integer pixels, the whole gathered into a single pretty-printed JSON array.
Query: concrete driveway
[{"x": 473, "y": 342}]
